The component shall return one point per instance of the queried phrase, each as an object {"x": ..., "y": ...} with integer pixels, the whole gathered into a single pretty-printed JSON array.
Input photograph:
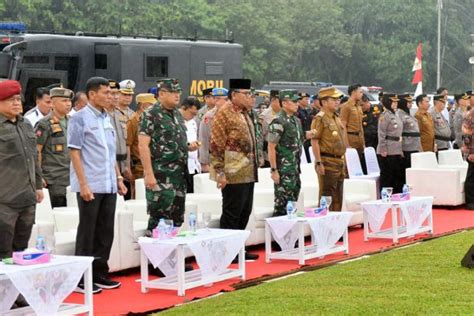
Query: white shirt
[
  {"x": 191, "y": 134},
  {"x": 33, "y": 116},
  {"x": 72, "y": 112}
]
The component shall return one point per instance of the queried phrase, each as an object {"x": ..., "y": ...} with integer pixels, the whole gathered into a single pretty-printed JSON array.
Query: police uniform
[
  {"x": 457, "y": 121},
  {"x": 426, "y": 126},
  {"x": 202, "y": 111},
  {"x": 51, "y": 134},
  {"x": 327, "y": 128},
  {"x": 441, "y": 127},
  {"x": 468, "y": 135},
  {"x": 352, "y": 114},
  {"x": 411, "y": 133},
  {"x": 287, "y": 133},
  {"x": 169, "y": 155},
  {"x": 370, "y": 121},
  {"x": 205, "y": 129},
  {"x": 390, "y": 143}
]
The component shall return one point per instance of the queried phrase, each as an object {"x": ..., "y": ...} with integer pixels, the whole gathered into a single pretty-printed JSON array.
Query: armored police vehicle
[{"x": 41, "y": 59}]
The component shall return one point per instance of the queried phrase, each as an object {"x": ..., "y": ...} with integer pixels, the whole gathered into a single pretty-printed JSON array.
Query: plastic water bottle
[
  {"x": 192, "y": 222},
  {"x": 406, "y": 190},
  {"x": 384, "y": 195},
  {"x": 290, "y": 208},
  {"x": 41, "y": 243},
  {"x": 323, "y": 203},
  {"x": 162, "y": 229}
]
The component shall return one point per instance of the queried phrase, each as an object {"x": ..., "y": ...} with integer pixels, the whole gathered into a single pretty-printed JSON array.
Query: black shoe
[
  {"x": 249, "y": 257},
  {"x": 157, "y": 272},
  {"x": 106, "y": 283},
  {"x": 80, "y": 288}
]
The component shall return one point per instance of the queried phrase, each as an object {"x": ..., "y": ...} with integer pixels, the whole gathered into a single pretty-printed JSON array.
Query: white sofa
[{"x": 444, "y": 182}]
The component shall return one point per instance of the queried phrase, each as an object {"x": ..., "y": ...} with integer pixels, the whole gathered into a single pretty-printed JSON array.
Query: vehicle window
[
  {"x": 31, "y": 86},
  {"x": 100, "y": 61},
  {"x": 156, "y": 66},
  {"x": 31, "y": 59},
  {"x": 69, "y": 64}
]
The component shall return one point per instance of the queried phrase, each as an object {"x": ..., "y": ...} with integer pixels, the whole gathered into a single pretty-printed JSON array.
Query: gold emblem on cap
[
  {"x": 129, "y": 85},
  {"x": 334, "y": 133}
]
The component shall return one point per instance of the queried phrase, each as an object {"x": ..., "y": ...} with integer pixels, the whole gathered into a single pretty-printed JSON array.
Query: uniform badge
[
  {"x": 334, "y": 133},
  {"x": 395, "y": 125},
  {"x": 58, "y": 148},
  {"x": 364, "y": 123}
]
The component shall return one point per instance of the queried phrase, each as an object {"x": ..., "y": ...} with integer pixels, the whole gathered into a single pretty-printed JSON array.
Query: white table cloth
[
  {"x": 44, "y": 286},
  {"x": 413, "y": 214}
]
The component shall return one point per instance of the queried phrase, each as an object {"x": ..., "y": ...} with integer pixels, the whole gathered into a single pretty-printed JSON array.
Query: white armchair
[
  {"x": 452, "y": 159},
  {"x": 355, "y": 192},
  {"x": 309, "y": 185},
  {"x": 427, "y": 178}
]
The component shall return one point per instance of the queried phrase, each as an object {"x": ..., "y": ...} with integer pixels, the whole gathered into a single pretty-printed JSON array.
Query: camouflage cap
[
  {"x": 61, "y": 93},
  {"x": 169, "y": 84},
  {"x": 289, "y": 94}
]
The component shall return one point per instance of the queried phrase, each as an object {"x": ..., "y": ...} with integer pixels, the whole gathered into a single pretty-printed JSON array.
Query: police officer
[
  {"x": 266, "y": 117},
  {"x": 390, "y": 144},
  {"x": 468, "y": 148},
  {"x": 221, "y": 98},
  {"x": 462, "y": 102},
  {"x": 425, "y": 123},
  {"x": 370, "y": 121},
  {"x": 329, "y": 143},
  {"x": 53, "y": 152},
  {"x": 411, "y": 133},
  {"x": 42, "y": 108},
  {"x": 351, "y": 117},
  {"x": 441, "y": 126},
  {"x": 164, "y": 150},
  {"x": 209, "y": 103},
  {"x": 285, "y": 138}
]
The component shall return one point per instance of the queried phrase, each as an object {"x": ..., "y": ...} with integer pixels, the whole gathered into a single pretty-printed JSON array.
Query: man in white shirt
[
  {"x": 78, "y": 102},
  {"x": 189, "y": 109},
  {"x": 42, "y": 108}
]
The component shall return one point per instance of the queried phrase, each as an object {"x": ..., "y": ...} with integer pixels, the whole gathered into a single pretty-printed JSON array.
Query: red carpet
[{"x": 129, "y": 299}]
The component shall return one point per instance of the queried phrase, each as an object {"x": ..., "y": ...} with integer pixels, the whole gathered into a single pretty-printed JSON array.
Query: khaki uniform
[
  {"x": 132, "y": 141},
  {"x": 427, "y": 133},
  {"x": 328, "y": 130},
  {"x": 442, "y": 130},
  {"x": 205, "y": 136},
  {"x": 353, "y": 115},
  {"x": 266, "y": 117},
  {"x": 51, "y": 133}
]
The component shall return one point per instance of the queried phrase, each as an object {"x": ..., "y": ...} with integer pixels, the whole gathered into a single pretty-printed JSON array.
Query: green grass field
[{"x": 423, "y": 279}]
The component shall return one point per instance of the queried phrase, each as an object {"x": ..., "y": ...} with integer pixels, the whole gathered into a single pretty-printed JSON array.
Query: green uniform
[
  {"x": 287, "y": 133},
  {"x": 258, "y": 137},
  {"x": 51, "y": 133},
  {"x": 169, "y": 155}
]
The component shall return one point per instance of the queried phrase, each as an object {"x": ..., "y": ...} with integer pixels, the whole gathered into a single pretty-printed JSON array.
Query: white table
[
  {"x": 408, "y": 218},
  {"x": 45, "y": 286},
  {"x": 326, "y": 231},
  {"x": 214, "y": 250}
]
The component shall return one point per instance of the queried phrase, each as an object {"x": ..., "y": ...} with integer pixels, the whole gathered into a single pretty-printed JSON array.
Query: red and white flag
[{"x": 418, "y": 70}]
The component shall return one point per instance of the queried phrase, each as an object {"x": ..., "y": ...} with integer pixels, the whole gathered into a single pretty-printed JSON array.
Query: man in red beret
[{"x": 19, "y": 161}]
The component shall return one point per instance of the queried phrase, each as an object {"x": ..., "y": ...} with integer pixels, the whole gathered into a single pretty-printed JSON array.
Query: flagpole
[{"x": 438, "y": 70}]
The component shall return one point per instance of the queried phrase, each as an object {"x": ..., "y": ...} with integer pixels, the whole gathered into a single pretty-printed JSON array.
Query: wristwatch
[
  {"x": 273, "y": 169},
  {"x": 318, "y": 163}
]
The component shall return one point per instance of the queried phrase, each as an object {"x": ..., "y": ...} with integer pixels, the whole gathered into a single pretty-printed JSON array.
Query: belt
[
  {"x": 411, "y": 134},
  {"x": 331, "y": 156},
  {"x": 121, "y": 157},
  {"x": 353, "y": 133},
  {"x": 444, "y": 138},
  {"x": 396, "y": 139}
]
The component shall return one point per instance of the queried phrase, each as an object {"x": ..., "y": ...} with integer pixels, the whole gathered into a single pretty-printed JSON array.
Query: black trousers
[
  {"x": 469, "y": 186},
  {"x": 237, "y": 202},
  {"x": 190, "y": 182},
  {"x": 391, "y": 172},
  {"x": 306, "y": 146},
  {"x": 15, "y": 228},
  {"x": 95, "y": 232}
]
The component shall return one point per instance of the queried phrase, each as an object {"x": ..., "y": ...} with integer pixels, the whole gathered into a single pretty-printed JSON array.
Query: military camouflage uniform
[
  {"x": 287, "y": 132},
  {"x": 258, "y": 136},
  {"x": 169, "y": 155},
  {"x": 51, "y": 133}
]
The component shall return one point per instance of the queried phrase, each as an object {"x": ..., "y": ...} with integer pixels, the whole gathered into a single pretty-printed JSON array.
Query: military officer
[
  {"x": 390, "y": 144},
  {"x": 462, "y": 102},
  {"x": 441, "y": 126},
  {"x": 351, "y": 117},
  {"x": 53, "y": 153},
  {"x": 304, "y": 115},
  {"x": 266, "y": 117},
  {"x": 468, "y": 149},
  {"x": 329, "y": 143},
  {"x": 164, "y": 150},
  {"x": 285, "y": 139},
  {"x": 425, "y": 123},
  {"x": 370, "y": 121},
  {"x": 220, "y": 98}
]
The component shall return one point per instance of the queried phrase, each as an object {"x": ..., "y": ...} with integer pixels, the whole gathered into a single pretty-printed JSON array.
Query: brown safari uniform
[
  {"x": 327, "y": 128},
  {"x": 427, "y": 131},
  {"x": 352, "y": 114}
]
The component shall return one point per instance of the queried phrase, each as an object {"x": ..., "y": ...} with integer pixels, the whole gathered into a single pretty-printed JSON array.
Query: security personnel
[
  {"x": 164, "y": 150},
  {"x": 441, "y": 125},
  {"x": 144, "y": 101},
  {"x": 220, "y": 98},
  {"x": 390, "y": 144},
  {"x": 53, "y": 152},
  {"x": 425, "y": 123},
  {"x": 266, "y": 117},
  {"x": 411, "y": 133},
  {"x": 370, "y": 121},
  {"x": 351, "y": 117},
  {"x": 305, "y": 118},
  {"x": 329, "y": 143},
  {"x": 468, "y": 148},
  {"x": 209, "y": 103},
  {"x": 257, "y": 126},
  {"x": 462, "y": 102},
  {"x": 285, "y": 139}
]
